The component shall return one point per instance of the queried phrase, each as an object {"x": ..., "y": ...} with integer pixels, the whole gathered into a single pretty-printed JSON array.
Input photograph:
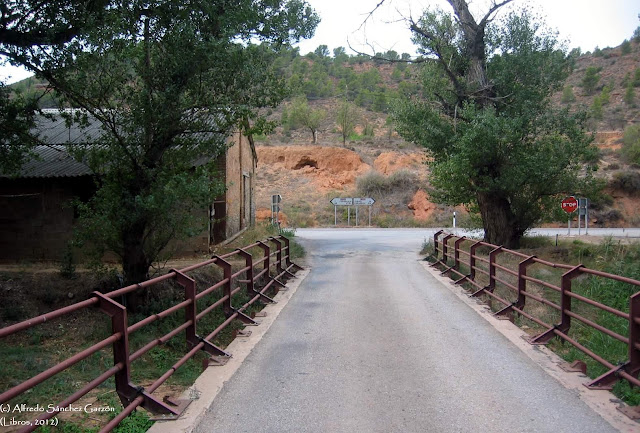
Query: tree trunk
[
  {"x": 314, "y": 133},
  {"x": 135, "y": 263},
  {"x": 500, "y": 225}
]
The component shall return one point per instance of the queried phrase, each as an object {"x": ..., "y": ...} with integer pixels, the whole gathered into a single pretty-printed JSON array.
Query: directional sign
[
  {"x": 569, "y": 204},
  {"x": 367, "y": 201},
  {"x": 342, "y": 201}
]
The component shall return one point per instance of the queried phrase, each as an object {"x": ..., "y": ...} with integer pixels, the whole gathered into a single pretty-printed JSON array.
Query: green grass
[
  {"x": 610, "y": 256},
  {"x": 33, "y": 351}
]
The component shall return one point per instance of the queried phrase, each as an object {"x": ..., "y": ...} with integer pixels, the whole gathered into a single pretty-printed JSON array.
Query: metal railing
[
  {"x": 485, "y": 273},
  {"x": 257, "y": 275}
]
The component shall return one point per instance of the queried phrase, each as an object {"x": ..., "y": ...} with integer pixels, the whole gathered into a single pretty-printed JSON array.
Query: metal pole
[
  {"x": 569, "y": 234},
  {"x": 335, "y": 215},
  {"x": 370, "y": 215},
  {"x": 579, "y": 220},
  {"x": 356, "y": 216},
  {"x": 586, "y": 217},
  {"x": 348, "y": 216},
  {"x": 454, "y": 220}
]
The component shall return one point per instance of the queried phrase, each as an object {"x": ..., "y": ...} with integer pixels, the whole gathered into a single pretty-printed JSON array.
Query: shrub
[
  {"x": 626, "y": 47},
  {"x": 627, "y": 181},
  {"x": 567, "y": 95},
  {"x": 590, "y": 80},
  {"x": 631, "y": 144},
  {"x": 374, "y": 183}
]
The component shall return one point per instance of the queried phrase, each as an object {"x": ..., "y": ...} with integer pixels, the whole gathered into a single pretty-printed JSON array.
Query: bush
[
  {"x": 374, "y": 183},
  {"x": 631, "y": 144},
  {"x": 590, "y": 80},
  {"x": 567, "y": 95},
  {"x": 627, "y": 181}
]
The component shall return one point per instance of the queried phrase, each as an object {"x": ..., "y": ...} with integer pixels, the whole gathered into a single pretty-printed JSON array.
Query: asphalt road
[{"x": 371, "y": 342}]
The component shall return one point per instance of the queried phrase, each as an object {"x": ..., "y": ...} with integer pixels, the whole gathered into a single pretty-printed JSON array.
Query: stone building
[{"x": 36, "y": 213}]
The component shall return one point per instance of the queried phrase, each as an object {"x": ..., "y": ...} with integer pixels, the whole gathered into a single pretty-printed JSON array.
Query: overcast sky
[{"x": 583, "y": 23}]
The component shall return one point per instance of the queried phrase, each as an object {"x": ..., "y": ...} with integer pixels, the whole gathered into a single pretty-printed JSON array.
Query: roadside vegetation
[
  {"x": 611, "y": 256},
  {"x": 33, "y": 351}
]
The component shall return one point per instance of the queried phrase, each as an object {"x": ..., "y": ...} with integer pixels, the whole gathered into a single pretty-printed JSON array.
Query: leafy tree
[
  {"x": 168, "y": 82},
  {"x": 625, "y": 47},
  {"x": 23, "y": 25},
  {"x": 16, "y": 120},
  {"x": 322, "y": 51},
  {"x": 597, "y": 110},
  {"x": 498, "y": 145},
  {"x": 567, "y": 95},
  {"x": 301, "y": 113},
  {"x": 631, "y": 144},
  {"x": 629, "y": 95},
  {"x": 346, "y": 118},
  {"x": 590, "y": 80}
]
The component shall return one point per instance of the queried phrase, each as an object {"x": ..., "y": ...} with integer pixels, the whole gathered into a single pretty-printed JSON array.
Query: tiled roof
[{"x": 53, "y": 161}]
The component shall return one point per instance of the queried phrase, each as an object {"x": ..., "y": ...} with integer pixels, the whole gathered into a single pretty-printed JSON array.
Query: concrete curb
[
  {"x": 212, "y": 380},
  {"x": 603, "y": 403}
]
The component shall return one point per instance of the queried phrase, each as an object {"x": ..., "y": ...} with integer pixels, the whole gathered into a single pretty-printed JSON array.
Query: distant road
[{"x": 373, "y": 343}]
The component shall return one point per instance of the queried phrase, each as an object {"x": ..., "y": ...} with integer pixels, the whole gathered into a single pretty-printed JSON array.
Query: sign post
[
  {"x": 569, "y": 205},
  {"x": 337, "y": 201},
  {"x": 276, "y": 199}
]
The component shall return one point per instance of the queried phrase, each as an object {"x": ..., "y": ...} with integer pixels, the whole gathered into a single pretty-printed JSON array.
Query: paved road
[{"x": 371, "y": 342}]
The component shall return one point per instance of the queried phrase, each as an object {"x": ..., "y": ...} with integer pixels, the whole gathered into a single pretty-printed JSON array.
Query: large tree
[
  {"x": 24, "y": 24},
  {"x": 167, "y": 82},
  {"x": 485, "y": 116}
]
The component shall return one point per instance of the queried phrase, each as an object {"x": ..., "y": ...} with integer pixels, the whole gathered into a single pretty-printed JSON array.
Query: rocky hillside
[{"x": 376, "y": 162}]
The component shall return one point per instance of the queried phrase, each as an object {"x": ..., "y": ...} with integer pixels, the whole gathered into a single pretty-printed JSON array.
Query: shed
[{"x": 36, "y": 212}]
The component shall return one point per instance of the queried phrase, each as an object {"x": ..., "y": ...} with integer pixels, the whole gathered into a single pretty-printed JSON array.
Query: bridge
[{"x": 370, "y": 338}]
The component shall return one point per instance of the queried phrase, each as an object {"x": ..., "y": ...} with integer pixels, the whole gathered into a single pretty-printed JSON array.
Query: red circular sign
[{"x": 570, "y": 204}]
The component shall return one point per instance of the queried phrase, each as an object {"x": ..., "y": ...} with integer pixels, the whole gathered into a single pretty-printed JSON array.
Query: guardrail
[
  {"x": 485, "y": 274},
  {"x": 259, "y": 275}
]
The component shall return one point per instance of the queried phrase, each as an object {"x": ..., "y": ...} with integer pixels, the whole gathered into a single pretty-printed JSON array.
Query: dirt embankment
[
  {"x": 329, "y": 167},
  {"x": 307, "y": 175}
]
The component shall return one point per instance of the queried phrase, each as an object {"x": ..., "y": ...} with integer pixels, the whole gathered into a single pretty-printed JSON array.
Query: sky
[{"x": 584, "y": 24}]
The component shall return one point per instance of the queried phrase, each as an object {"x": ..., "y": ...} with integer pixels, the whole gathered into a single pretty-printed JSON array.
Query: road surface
[{"x": 371, "y": 342}]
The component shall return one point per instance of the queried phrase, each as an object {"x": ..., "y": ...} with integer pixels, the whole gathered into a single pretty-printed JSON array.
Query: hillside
[
  {"x": 308, "y": 176},
  {"x": 375, "y": 162}
]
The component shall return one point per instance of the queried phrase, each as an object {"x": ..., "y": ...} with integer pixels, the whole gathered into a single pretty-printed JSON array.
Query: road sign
[
  {"x": 569, "y": 204},
  {"x": 368, "y": 201},
  {"x": 342, "y": 201}
]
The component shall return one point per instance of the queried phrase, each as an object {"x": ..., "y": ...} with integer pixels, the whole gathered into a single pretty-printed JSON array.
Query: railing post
[
  {"x": 565, "y": 306},
  {"x": 634, "y": 335},
  {"x": 248, "y": 260},
  {"x": 492, "y": 268},
  {"x": 445, "y": 248},
  {"x": 567, "y": 277},
  {"x": 267, "y": 258},
  {"x": 190, "y": 311},
  {"x": 522, "y": 288},
  {"x": 278, "y": 254},
  {"x": 287, "y": 246},
  {"x": 435, "y": 243},
  {"x": 456, "y": 254},
  {"x": 126, "y": 391},
  {"x": 522, "y": 283},
  {"x": 119, "y": 324},
  {"x": 226, "y": 288},
  {"x": 472, "y": 260}
]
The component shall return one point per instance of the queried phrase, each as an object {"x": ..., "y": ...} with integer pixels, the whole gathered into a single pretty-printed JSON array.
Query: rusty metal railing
[
  {"x": 461, "y": 258},
  {"x": 260, "y": 275}
]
